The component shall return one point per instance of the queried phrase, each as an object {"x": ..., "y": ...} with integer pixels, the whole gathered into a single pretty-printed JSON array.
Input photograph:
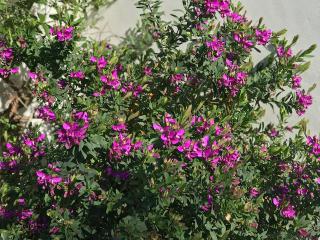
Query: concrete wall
[{"x": 299, "y": 17}]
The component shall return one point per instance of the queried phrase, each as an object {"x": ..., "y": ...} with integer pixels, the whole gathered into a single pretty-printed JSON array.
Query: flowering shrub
[{"x": 161, "y": 137}]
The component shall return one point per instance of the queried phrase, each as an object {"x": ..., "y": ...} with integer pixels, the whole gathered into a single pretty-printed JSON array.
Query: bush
[{"x": 162, "y": 136}]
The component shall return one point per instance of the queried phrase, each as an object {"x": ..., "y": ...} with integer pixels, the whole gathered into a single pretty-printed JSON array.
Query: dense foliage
[
  {"x": 24, "y": 36},
  {"x": 161, "y": 137}
]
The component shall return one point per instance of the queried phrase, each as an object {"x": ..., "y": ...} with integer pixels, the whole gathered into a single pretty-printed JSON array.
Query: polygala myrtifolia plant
[
  {"x": 24, "y": 27},
  {"x": 161, "y": 137}
]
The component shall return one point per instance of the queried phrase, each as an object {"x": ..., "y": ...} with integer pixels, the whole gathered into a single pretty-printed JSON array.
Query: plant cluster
[{"x": 161, "y": 137}]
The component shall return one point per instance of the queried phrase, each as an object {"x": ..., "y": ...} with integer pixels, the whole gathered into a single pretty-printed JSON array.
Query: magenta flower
[
  {"x": 283, "y": 53},
  {"x": 289, "y": 212},
  {"x": 304, "y": 101},
  {"x": 55, "y": 180},
  {"x": 32, "y": 75},
  {"x": 244, "y": 41},
  {"x": 8, "y": 166},
  {"x": 78, "y": 74},
  {"x": 276, "y": 201},
  {"x": 72, "y": 133},
  {"x": 121, "y": 127},
  {"x": 206, "y": 207},
  {"x": 147, "y": 71},
  {"x": 233, "y": 84},
  {"x": 7, "y": 54},
  {"x": 263, "y": 36},
  {"x": 169, "y": 120},
  {"x": 273, "y": 133},
  {"x": 93, "y": 59},
  {"x": 25, "y": 214},
  {"x": 314, "y": 143},
  {"x": 54, "y": 230},
  {"x": 254, "y": 192},
  {"x": 221, "y": 6},
  {"x": 303, "y": 233},
  {"x": 121, "y": 147},
  {"x": 172, "y": 137},
  {"x": 236, "y": 17},
  {"x": 63, "y": 34},
  {"x": 6, "y": 73},
  {"x": 177, "y": 78},
  {"x": 46, "y": 113},
  {"x": 202, "y": 125},
  {"x": 136, "y": 90},
  {"x": 169, "y": 136},
  {"x": 296, "y": 81},
  {"x": 216, "y": 47},
  {"x": 45, "y": 179},
  {"x": 11, "y": 150},
  {"x": 101, "y": 63},
  {"x": 21, "y": 201},
  {"x": 113, "y": 82},
  {"x": 14, "y": 70}
]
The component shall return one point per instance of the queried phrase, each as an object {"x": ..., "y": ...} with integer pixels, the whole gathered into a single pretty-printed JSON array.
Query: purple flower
[
  {"x": 147, "y": 71},
  {"x": 121, "y": 127},
  {"x": 8, "y": 166},
  {"x": 32, "y": 75},
  {"x": 221, "y": 6},
  {"x": 274, "y": 133},
  {"x": 233, "y": 84},
  {"x": 296, "y": 81},
  {"x": 25, "y": 214},
  {"x": 206, "y": 207},
  {"x": 63, "y": 34},
  {"x": 78, "y": 74},
  {"x": 263, "y": 36},
  {"x": 11, "y": 150},
  {"x": 202, "y": 125},
  {"x": 7, "y": 54},
  {"x": 46, "y": 113},
  {"x": 276, "y": 201},
  {"x": 72, "y": 133},
  {"x": 283, "y": 53},
  {"x": 121, "y": 175},
  {"x": 304, "y": 102},
  {"x": 62, "y": 83},
  {"x": 217, "y": 48},
  {"x": 289, "y": 212},
  {"x": 21, "y": 201},
  {"x": 177, "y": 78},
  {"x": 55, "y": 180},
  {"x": 121, "y": 147},
  {"x": 136, "y": 90},
  {"x": 169, "y": 136},
  {"x": 244, "y": 41},
  {"x": 254, "y": 192},
  {"x": 101, "y": 63},
  {"x": 114, "y": 82},
  {"x": 93, "y": 59},
  {"x": 236, "y": 17},
  {"x": 54, "y": 230},
  {"x": 14, "y": 70},
  {"x": 45, "y": 179},
  {"x": 303, "y": 233}
]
